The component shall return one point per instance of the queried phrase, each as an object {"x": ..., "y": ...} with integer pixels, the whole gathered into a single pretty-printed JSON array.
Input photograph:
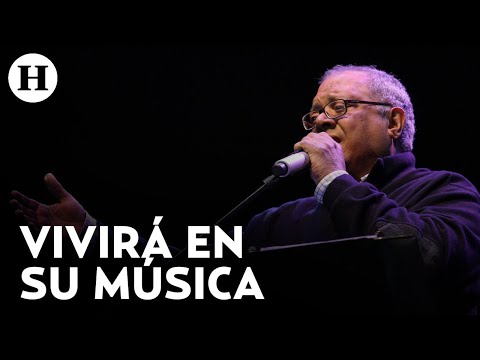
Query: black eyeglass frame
[{"x": 307, "y": 115}]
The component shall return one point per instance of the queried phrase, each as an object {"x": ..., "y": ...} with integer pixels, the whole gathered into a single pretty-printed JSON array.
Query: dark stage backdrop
[{"x": 187, "y": 131}]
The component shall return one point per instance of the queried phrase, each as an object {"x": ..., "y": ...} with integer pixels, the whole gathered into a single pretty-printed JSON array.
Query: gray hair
[{"x": 388, "y": 89}]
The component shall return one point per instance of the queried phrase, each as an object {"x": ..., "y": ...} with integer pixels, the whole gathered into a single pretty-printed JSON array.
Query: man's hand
[
  {"x": 67, "y": 211},
  {"x": 325, "y": 154}
]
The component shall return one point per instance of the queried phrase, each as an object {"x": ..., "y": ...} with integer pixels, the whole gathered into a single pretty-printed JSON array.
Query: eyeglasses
[{"x": 333, "y": 110}]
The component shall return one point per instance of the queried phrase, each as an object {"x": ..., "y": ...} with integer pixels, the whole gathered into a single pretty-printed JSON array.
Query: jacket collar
[{"x": 389, "y": 167}]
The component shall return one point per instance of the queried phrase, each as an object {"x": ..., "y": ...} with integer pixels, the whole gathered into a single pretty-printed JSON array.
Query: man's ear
[{"x": 396, "y": 121}]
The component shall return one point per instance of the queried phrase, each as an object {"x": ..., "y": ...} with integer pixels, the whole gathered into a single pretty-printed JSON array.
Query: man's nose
[{"x": 323, "y": 123}]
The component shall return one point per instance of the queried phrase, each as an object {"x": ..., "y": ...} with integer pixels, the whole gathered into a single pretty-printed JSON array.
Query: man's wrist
[{"x": 325, "y": 182}]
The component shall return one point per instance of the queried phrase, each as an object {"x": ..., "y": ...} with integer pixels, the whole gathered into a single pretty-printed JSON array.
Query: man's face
[{"x": 362, "y": 131}]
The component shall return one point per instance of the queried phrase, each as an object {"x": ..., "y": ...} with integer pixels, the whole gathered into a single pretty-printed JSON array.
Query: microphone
[{"x": 291, "y": 164}]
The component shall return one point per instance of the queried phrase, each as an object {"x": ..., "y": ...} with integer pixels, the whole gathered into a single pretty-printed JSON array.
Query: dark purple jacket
[{"x": 440, "y": 208}]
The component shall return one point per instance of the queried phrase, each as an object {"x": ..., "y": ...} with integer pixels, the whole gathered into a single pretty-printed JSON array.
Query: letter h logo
[{"x": 30, "y": 70}]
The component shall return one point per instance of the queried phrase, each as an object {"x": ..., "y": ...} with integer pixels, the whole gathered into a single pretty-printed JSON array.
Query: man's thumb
[{"x": 55, "y": 188}]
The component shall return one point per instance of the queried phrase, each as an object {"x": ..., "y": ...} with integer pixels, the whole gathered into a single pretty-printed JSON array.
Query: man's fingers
[
  {"x": 24, "y": 200},
  {"x": 14, "y": 203},
  {"x": 18, "y": 206},
  {"x": 55, "y": 188},
  {"x": 31, "y": 221},
  {"x": 24, "y": 216},
  {"x": 19, "y": 213},
  {"x": 29, "y": 212}
]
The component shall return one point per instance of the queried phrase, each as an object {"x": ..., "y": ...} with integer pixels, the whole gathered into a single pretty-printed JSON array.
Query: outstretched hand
[{"x": 67, "y": 210}]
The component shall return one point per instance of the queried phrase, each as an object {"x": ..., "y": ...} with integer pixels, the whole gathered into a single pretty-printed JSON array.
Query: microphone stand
[{"x": 267, "y": 182}]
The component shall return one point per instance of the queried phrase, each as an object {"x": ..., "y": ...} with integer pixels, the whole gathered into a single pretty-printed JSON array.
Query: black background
[{"x": 189, "y": 130}]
